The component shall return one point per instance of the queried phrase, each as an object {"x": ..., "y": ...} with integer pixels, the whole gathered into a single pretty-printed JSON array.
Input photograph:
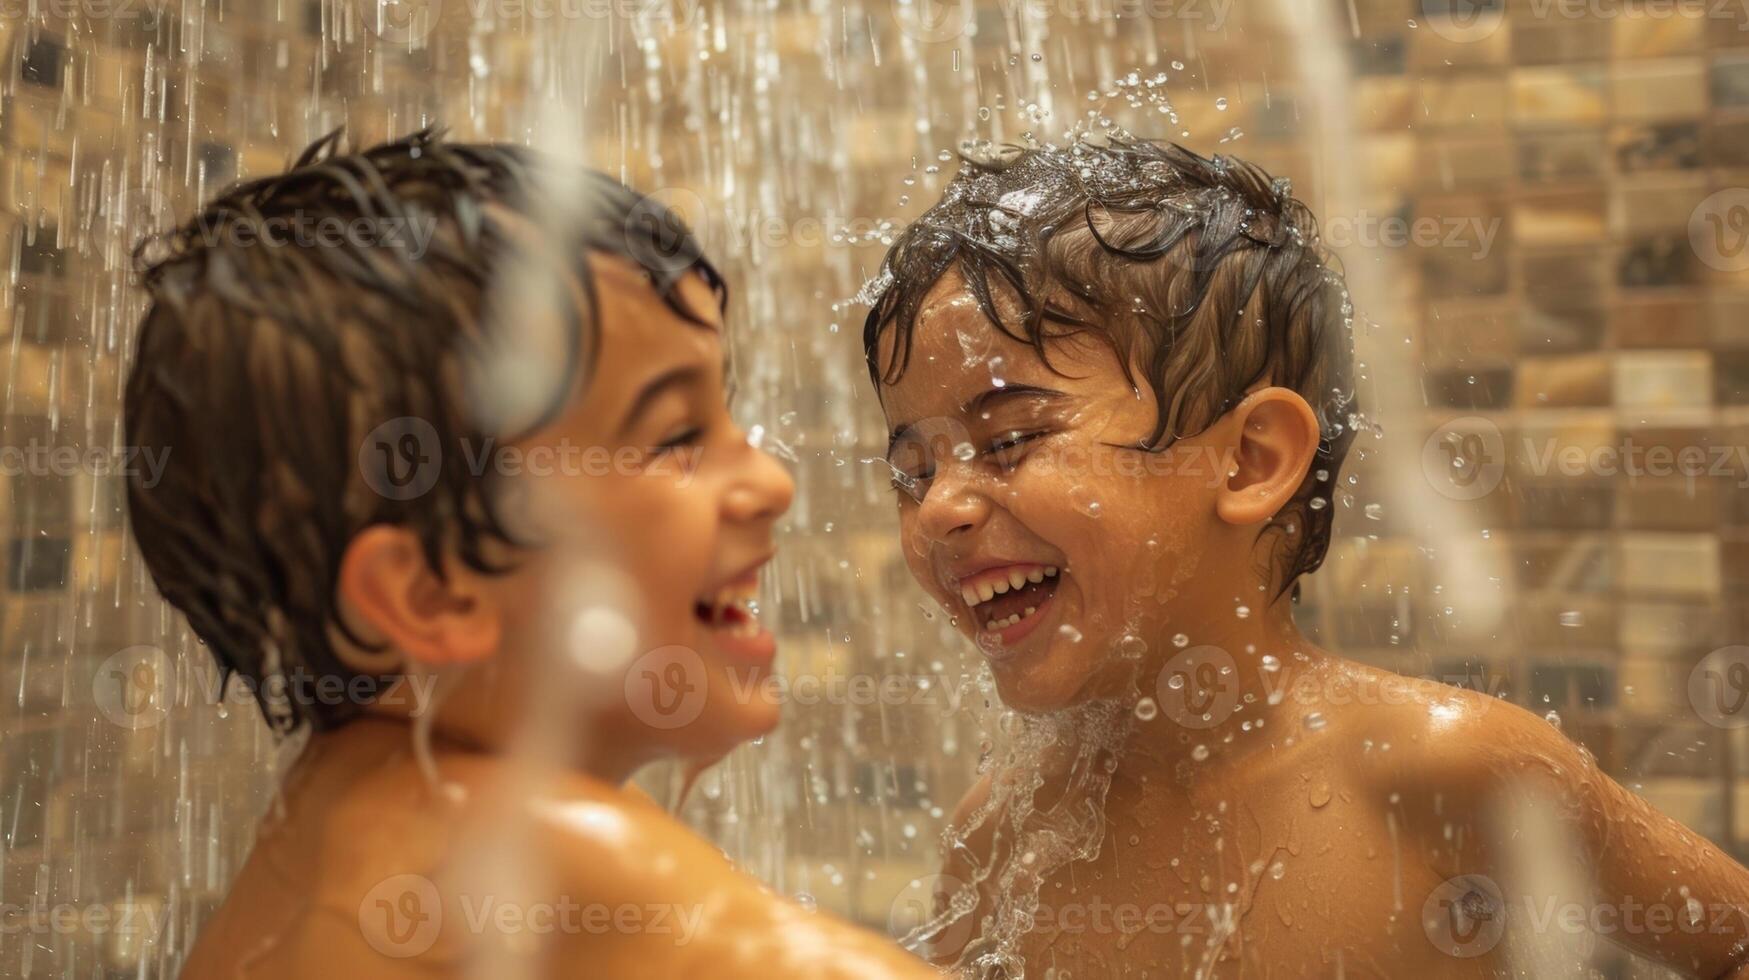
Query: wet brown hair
[
  {"x": 1204, "y": 275},
  {"x": 263, "y": 364}
]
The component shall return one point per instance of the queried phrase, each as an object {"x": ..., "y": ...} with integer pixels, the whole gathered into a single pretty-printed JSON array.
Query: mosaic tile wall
[{"x": 1583, "y": 147}]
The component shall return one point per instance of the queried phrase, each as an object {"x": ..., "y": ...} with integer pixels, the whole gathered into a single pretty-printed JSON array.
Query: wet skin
[
  {"x": 530, "y": 816},
  {"x": 1323, "y": 841}
]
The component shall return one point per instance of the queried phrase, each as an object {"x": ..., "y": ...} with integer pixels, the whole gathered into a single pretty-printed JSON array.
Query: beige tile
[
  {"x": 1663, "y": 380},
  {"x": 1385, "y": 102},
  {"x": 1562, "y": 382},
  {"x": 1669, "y": 564},
  {"x": 1657, "y": 31},
  {"x": 1658, "y": 321},
  {"x": 1557, "y": 96},
  {"x": 1463, "y": 102},
  {"x": 1558, "y": 218},
  {"x": 1673, "y": 88},
  {"x": 1642, "y": 205},
  {"x": 1463, "y": 162}
]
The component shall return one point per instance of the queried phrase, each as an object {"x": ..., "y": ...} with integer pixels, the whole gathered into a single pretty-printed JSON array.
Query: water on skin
[{"x": 729, "y": 82}]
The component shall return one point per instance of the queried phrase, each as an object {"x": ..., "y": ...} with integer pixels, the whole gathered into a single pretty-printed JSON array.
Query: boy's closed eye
[{"x": 913, "y": 463}]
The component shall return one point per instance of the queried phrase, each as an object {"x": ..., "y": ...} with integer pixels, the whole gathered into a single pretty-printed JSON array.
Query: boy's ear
[
  {"x": 1276, "y": 443},
  {"x": 386, "y": 582}
]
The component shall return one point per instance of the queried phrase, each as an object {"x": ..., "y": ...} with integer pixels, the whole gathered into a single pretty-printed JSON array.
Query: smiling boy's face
[
  {"x": 687, "y": 507},
  {"x": 1027, "y": 494}
]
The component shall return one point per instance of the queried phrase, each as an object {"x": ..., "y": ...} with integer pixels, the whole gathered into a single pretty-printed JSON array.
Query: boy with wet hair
[
  {"x": 1118, "y": 378},
  {"x": 354, "y": 366}
]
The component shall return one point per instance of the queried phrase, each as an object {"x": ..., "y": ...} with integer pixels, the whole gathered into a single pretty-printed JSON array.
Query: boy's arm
[
  {"x": 1660, "y": 889},
  {"x": 1646, "y": 857}
]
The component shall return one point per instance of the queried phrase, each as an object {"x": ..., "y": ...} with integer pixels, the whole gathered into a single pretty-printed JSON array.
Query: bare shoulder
[{"x": 1419, "y": 731}]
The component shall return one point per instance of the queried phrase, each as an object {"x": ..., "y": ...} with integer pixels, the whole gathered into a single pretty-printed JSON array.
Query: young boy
[
  {"x": 1119, "y": 383},
  {"x": 452, "y": 486}
]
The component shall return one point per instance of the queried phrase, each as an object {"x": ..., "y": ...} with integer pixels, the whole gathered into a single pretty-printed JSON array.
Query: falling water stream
[{"x": 797, "y": 137}]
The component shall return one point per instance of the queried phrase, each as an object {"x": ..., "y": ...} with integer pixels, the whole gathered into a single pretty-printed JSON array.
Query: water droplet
[
  {"x": 1200, "y": 753},
  {"x": 1147, "y": 709},
  {"x": 1180, "y": 641},
  {"x": 1314, "y": 721},
  {"x": 1084, "y": 501},
  {"x": 1221, "y": 104},
  {"x": 1572, "y": 617},
  {"x": 1270, "y": 664},
  {"x": 1131, "y": 647},
  {"x": 1070, "y": 633}
]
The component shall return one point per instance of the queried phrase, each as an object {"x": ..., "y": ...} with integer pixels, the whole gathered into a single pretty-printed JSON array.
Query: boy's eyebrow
[
  {"x": 981, "y": 402},
  {"x": 673, "y": 377}
]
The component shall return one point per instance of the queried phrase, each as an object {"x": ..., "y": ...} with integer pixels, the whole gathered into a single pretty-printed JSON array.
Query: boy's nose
[
  {"x": 763, "y": 488},
  {"x": 952, "y": 505}
]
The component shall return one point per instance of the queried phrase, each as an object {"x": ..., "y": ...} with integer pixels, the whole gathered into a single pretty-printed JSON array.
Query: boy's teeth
[
  {"x": 743, "y": 599},
  {"x": 1017, "y": 579},
  {"x": 1002, "y": 624}
]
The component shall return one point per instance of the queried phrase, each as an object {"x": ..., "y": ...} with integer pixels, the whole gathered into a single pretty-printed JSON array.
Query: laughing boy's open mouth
[{"x": 1008, "y": 601}]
